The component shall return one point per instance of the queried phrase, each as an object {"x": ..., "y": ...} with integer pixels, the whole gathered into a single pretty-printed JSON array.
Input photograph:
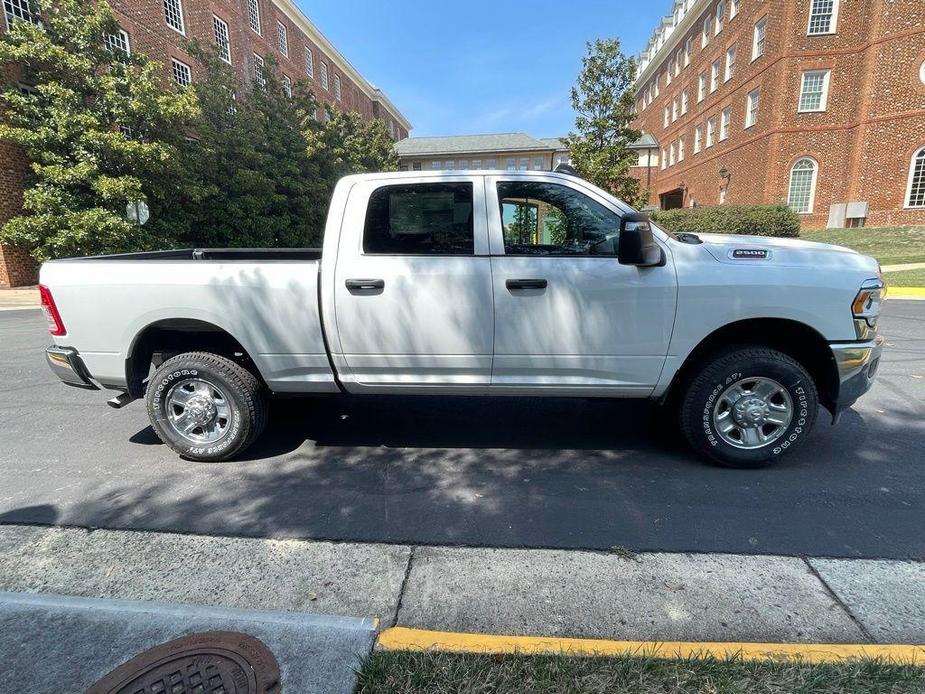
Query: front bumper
[
  {"x": 857, "y": 364},
  {"x": 67, "y": 365}
]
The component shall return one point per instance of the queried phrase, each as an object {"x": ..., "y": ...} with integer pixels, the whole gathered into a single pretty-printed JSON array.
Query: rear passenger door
[{"x": 412, "y": 288}]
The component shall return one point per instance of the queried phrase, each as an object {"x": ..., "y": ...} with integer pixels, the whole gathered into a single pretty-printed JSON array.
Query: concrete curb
[
  {"x": 904, "y": 292},
  {"x": 404, "y": 639}
]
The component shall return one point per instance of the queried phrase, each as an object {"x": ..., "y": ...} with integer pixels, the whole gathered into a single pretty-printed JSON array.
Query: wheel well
[
  {"x": 164, "y": 339},
  {"x": 793, "y": 338}
]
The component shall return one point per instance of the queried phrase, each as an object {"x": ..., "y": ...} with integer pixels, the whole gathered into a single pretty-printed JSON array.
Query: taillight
[{"x": 55, "y": 324}]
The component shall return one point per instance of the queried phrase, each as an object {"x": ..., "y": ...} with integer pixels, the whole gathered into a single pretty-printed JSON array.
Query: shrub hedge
[{"x": 760, "y": 220}]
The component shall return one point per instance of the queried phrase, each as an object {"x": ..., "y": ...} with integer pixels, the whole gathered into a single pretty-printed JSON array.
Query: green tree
[
  {"x": 603, "y": 99},
  {"x": 99, "y": 130}
]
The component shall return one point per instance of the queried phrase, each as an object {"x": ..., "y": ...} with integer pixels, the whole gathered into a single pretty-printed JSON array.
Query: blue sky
[{"x": 478, "y": 66}]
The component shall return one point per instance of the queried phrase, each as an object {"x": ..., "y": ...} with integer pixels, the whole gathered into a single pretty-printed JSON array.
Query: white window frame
[
  {"x": 337, "y": 89},
  {"x": 674, "y": 109},
  {"x": 287, "y": 86},
  {"x": 677, "y": 63},
  {"x": 673, "y": 154},
  {"x": 725, "y": 123},
  {"x": 19, "y": 11},
  {"x": 714, "y": 75},
  {"x": 664, "y": 158},
  {"x": 684, "y": 101},
  {"x": 680, "y": 149},
  {"x": 711, "y": 132},
  {"x": 833, "y": 20},
  {"x": 259, "y": 63},
  {"x": 436, "y": 165},
  {"x": 668, "y": 73},
  {"x": 667, "y": 117},
  {"x": 253, "y": 17},
  {"x": 222, "y": 38},
  {"x": 705, "y": 31},
  {"x": 183, "y": 68},
  {"x": 491, "y": 164},
  {"x": 752, "y": 107},
  {"x": 119, "y": 41},
  {"x": 702, "y": 87},
  {"x": 824, "y": 98},
  {"x": 759, "y": 38},
  {"x": 177, "y": 7},
  {"x": 698, "y": 139},
  {"x": 733, "y": 9},
  {"x": 730, "y": 63},
  {"x": 688, "y": 49},
  {"x": 812, "y": 185},
  {"x": 282, "y": 38},
  {"x": 325, "y": 85},
  {"x": 918, "y": 159},
  {"x": 309, "y": 62},
  {"x": 720, "y": 16}
]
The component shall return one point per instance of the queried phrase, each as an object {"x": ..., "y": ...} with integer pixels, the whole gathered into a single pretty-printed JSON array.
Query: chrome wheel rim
[
  {"x": 753, "y": 412},
  {"x": 198, "y": 411}
]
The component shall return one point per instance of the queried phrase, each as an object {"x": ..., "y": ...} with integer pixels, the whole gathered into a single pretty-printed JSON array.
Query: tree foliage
[
  {"x": 99, "y": 130},
  {"x": 603, "y": 99}
]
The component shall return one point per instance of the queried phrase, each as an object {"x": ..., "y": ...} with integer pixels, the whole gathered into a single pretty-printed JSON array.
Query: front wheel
[
  {"x": 206, "y": 407},
  {"x": 749, "y": 406}
]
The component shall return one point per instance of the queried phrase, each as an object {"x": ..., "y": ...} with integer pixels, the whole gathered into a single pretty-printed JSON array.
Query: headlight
[{"x": 866, "y": 307}]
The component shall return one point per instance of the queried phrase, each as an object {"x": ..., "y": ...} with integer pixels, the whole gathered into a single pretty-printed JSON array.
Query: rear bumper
[
  {"x": 67, "y": 365},
  {"x": 857, "y": 364}
]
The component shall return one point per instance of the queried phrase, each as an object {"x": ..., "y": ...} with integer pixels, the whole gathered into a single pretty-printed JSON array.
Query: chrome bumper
[
  {"x": 67, "y": 365},
  {"x": 857, "y": 364}
]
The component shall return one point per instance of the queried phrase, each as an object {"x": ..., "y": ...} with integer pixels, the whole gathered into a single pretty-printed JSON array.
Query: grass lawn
[
  {"x": 905, "y": 278},
  {"x": 403, "y": 672},
  {"x": 891, "y": 245}
]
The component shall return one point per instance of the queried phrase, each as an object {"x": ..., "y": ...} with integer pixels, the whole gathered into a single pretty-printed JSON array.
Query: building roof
[{"x": 465, "y": 144}]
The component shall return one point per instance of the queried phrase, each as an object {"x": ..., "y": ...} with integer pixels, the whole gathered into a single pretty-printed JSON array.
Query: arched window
[
  {"x": 802, "y": 185},
  {"x": 916, "y": 196}
]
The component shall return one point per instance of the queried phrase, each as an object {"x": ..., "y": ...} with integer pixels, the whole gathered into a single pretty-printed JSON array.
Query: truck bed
[{"x": 225, "y": 254}]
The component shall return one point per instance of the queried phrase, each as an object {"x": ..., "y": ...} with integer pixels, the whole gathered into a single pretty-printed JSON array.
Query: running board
[{"x": 120, "y": 401}]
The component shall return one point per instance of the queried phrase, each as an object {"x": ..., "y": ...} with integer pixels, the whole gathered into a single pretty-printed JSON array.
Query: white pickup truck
[{"x": 477, "y": 283}]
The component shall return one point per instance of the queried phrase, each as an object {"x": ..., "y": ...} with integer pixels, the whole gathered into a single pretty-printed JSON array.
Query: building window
[
  {"x": 667, "y": 116},
  {"x": 258, "y": 70},
  {"x": 688, "y": 48},
  {"x": 182, "y": 74},
  {"x": 463, "y": 164},
  {"x": 309, "y": 63},
  {"x": 435, "y": 165},
  {"x": 733, "y": 8},
  {"x": 19, "y": 11},
  {"x": 118, "y": 42},
  {"x": 656, "y": 86},
  {"x": 714, "y": 76},
  {"x": 287, "y": 86},
  {"x": 683, "y": 102},
  {"x": 220, "y": 30},
  {"x": 664, "y": 158},
  {"x": 681, "y": 149},
  {"x": 337, "y": 93},
  {"x": 922, "y": 73},
  {"x": 814, "y": 91},
  {"x": 823, "y": 17},
  {"x": 674, "y": 109},
  {"x": 282, "y": 38},
  {"x": 730, "y": 63},
  {"x": 668, "y": 74},
  {"x": 698, "y": 138},
  {"x": 802, "y": 186},
  {"x": 701, "y": 87},
  {"x": 491, "y": 164},
  {"x": 173, "y": 14},
  {"x": 450, "y": 165},
  {"x": 720, "y": 15},
  {"x": 724, "y": 123},
  {"x": 761, "y": 28},
  {"x": 705, "y": 33},
  {"x": 324, "y": 75},
  {"x": 751, "y": 111},
  {"x": 416, "y": 166},
  {"x": 677, "y": 63},
  {"x": 916, "y": 196},
  {"x": 524, "y": 164},
  {"x": 673, "y": 154},
  {"x": 711, "y": 131},
  {"x": 253, "y": 14}
]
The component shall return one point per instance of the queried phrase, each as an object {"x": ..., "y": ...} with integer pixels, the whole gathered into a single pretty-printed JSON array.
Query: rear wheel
[
  {"x": 748, "y": 406},
  {"x": 206, "y": 407}
]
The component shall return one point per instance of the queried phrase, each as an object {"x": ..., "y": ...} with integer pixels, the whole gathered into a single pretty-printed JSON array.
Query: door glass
[
  {"x": 420, "y": 219},
  {"x": 551, "y": 219}
]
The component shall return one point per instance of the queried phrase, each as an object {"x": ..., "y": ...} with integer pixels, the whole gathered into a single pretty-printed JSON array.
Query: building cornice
[
  {"x": 678, "y": 32},
  {"x": 296, "y": 16}
]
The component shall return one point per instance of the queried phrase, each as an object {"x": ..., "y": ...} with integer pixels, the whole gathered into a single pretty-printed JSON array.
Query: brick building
[
  {"x": 817, "y": 103},
  {"x": 246, "y": 31}
]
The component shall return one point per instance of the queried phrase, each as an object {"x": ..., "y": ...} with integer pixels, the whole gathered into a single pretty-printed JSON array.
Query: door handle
[
  {"x": 526, "y": 284},
  {"x": 365, "y": 284}
]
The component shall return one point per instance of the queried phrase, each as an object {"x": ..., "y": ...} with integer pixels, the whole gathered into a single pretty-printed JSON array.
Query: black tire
[
  {"x": 716, "y": 374},
  {"x": 244, "y": 400}
]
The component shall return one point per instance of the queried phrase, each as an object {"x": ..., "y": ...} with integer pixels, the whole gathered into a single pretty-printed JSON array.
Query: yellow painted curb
[
  {"x": 405, "y": 639},
  {"x": 901, "y": 292}
]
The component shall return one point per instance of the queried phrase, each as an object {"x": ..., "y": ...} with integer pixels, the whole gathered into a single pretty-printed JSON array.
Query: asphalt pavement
[{"x": 564, "y": 474}]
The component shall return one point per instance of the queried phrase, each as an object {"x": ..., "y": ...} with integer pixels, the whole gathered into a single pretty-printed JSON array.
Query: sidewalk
[
  {"x": 553, "y": 593},
  {"x": 12, "y": 299}
]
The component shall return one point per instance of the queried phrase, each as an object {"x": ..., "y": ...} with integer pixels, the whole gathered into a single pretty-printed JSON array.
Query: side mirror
[{"x": 637, "y": 245}]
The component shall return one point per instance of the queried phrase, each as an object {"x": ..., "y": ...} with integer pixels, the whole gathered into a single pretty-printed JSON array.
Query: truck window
[
  {"x": 420, "y": 219},
  {"x": 551, "y": 219}
]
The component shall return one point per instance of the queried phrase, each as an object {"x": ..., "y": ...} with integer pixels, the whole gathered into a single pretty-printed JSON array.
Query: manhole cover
[{"x": 215, "y": 662}]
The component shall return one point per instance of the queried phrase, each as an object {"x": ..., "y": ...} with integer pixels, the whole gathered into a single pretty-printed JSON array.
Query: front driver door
[
  {"x": 568, "y": 316},
  {"x": 412, "y": 286}
]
